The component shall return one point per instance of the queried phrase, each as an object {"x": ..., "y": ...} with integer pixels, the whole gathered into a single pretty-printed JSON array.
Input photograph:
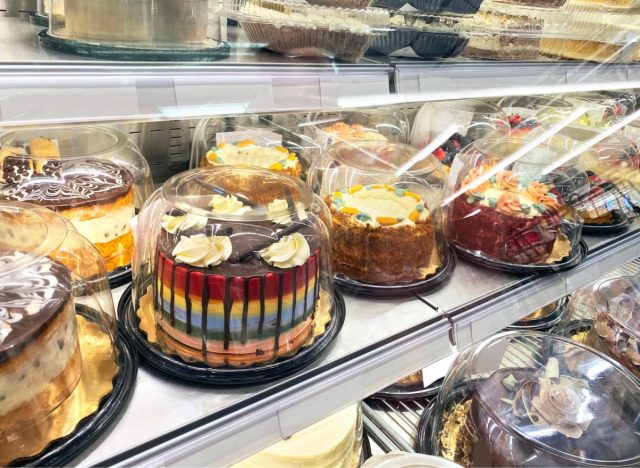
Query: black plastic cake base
[
  {"x": 577, "y": 254},
  {"x": 542, "y": 324},
  {"x": 215, "y": 52},
  {"x": 356, "y": 287},
  {"x": 120, "y": 276},
  {"x": 409, "y": 392},
  {"x": 226, "y": 375},
  {"x": 61, "y": 452},
  {"x": 619, "y": 224},
  {"x": 39, "y": 20}
]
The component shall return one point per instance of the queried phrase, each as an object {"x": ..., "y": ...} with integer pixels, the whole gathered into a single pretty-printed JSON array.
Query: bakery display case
[
  {"x": 531, "y": 399},
  {"x": 512, "y": 206},
  {"x": 359, "y": 128},
  {"x": 232, "y": 277},
  {"x": 65, "y": 369},
  {"x": 94, "y": 176},
  {"x": 386, "y": 227}
]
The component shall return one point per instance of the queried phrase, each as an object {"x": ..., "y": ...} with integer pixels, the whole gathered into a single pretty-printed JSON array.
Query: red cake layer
[{"x": 512, "y": 239}]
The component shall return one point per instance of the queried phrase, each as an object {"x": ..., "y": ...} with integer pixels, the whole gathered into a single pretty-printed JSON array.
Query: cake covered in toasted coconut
[{"x": 381, "y": 234}]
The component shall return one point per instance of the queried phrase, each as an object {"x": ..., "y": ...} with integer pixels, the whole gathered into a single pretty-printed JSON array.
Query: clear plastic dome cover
[
  {"x": 526, "y": 113},
  {"x": 379, "y": 124},
  {"x": 53, "y": 291},
  {"x": 384, "y": 200},
  {"x": 234, "y": 264},
  {"x": 600, "y": 109},
  {"x": 606, "y": 316},
  {"x": 533, "y": 399},
  {"x": 515, "y": 203},
  {"x": 447, "y": 127},
  {"x": 273, "y": 142},
  {"x": 94, "y": 176},
  {"x": 610, "y": 165}
]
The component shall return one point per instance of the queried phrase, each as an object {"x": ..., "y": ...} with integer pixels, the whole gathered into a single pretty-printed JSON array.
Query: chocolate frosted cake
[
  {"x": 506, "y": 218},
  {"x": 40, "y": 361},
  {"x": 96, "y": 196},
  {"x": 381, "y": 234}
]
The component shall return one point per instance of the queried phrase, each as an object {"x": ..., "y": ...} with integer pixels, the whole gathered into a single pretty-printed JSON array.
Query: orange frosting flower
[
  {"x": 550, "y": 202},
  {"x": 537, "y": 191},
  {"x": 506, "y": 180},
  {"x": 474, "y": 174},
  {"x": 509, "y": 203}
]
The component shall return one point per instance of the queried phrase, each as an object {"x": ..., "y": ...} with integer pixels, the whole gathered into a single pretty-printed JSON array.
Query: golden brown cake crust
[{"x": 380, "y": 254}]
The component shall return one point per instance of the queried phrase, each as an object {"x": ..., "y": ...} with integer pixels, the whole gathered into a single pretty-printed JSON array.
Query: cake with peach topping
[
  {"x": 505, "y": 217},
  {"x": 342, "y": 131},
  {"x": 248, "y": 153},
  {"x": 381, "y": 234}
]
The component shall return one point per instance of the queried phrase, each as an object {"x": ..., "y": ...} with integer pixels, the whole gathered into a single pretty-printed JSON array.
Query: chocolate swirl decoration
[
  {"x": 79, "y": 183},
  {"x": 29, "y": 299}
]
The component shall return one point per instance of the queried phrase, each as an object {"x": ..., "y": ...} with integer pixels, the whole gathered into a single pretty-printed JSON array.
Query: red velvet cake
[{"x": 505, "y": 219}]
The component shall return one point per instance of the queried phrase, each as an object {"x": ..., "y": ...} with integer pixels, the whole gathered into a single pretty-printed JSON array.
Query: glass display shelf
[
  {"x": 42, "y": 86},
  {"x": 382, "y": 340}
]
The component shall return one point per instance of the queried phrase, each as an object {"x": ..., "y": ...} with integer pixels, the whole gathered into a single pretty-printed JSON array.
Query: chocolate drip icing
[
  {"x": 228, "y": 303},
  {"x": 172, "y": 309},
  {"x": 156, "y": 302},
  {"x": 261, "y": 324},
  {"x": 187, "y": 300},
  {"x": 205, "y": 311},
  {"x": 316, "y": 284},
  {"x": 161, "y": 295},
  {"x": 245, "y": 311},
  {"x": 279, "y": 316},
  {"x": 294, "y": 292},
  {"x": 306, "y": 289}
]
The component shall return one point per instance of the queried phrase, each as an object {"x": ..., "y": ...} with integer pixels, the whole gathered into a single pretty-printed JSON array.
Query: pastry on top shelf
[
  {"x": 95, "y": 177},
  {"x": 237, "y": 264},
  {"x": 535, "y": 399}
]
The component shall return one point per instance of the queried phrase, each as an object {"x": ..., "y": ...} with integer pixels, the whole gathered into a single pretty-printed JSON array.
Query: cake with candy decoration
[
  {"x": 244, "y": 291},
  {"x": 504, "y": 217},
  {"x": 381, "y": 234},
  {"x": 248, "y": 153}
]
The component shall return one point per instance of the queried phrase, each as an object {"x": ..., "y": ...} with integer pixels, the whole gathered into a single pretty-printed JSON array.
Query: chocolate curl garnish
[
  {"x": 295, "y": 227},
  {"x": 224, "y": 193}
]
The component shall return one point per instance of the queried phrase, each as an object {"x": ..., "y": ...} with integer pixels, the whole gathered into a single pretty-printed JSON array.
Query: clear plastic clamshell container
[
  {"x": 620, "y": 6},
  {"x": 384, "y": 200},
  {"x": 512, "y": 204},
  {"x": 145, "y": 24},
  {"x": 526, "y": 113},
  {"x": 57, "y": 328},
  {"x": 233, "y": 266},
  {"x": 380, "y": 124},
  {"x": 456, "y": 7},
  {"x": 600, "y": 109},
  {"x": 94, "y": 176},
  {"x": 300, "y": 29},
  {"x": 336, "y": 441},
  {"x": 420, "y": 35},
  {"x": 610, "y": 165},
  {"x": 272, "y": 142},
  {"x": 456, "y": 124},
  {"x": 606, "y": 316},
  {"x": 534, "y": 399}
]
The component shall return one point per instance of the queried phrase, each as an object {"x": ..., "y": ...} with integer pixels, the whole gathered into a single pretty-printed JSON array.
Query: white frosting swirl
[
  {"x": 288, "y": 252},
  {"x": 173, "y": 224},
  {"x": 277, "y": 205},
  {"x": 228, "y": 205},
  {"x": 202, "y": 251}
]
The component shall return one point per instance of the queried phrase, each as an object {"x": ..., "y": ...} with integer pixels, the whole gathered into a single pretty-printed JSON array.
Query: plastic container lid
[{"x": 619, "y": 299}]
